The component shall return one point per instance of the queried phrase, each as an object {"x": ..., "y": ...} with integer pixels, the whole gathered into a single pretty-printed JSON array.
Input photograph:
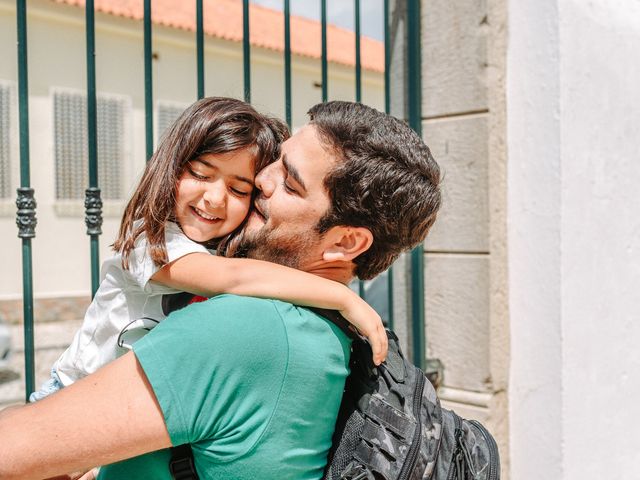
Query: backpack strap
[
  {"x": 380, "y": 438},
  {"x": 373, "y": 459},
  {"x": 181, "y": 464},
  {"x": 338, "y": 320}
]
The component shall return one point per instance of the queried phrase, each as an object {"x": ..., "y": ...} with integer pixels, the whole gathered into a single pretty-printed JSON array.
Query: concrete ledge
[{"x": 46, "y": 309}]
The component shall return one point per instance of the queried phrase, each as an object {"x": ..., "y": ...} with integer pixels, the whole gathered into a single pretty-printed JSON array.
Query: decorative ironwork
[
  {"x": 26, "y": 217},
  {"x": 93, "y": 211}
]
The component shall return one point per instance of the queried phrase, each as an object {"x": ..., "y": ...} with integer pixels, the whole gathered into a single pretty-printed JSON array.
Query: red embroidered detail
[{"x": 197, "y": 299}]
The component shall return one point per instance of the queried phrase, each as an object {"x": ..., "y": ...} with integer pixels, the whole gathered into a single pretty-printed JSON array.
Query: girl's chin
[{"x": 201, "y": 235}]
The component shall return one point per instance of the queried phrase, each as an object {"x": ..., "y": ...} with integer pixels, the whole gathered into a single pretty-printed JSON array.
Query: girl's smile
[{"x": 205, "y": 216}]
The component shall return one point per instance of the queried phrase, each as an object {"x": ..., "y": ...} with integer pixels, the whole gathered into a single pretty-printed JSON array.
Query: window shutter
[
  {"x": 5, "y": 139},
  {"x": 70, "y": 139},
  {"x": 168, "y": 113}
]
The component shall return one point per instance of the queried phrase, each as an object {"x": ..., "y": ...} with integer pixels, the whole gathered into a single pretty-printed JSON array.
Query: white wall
[
  {"x": 534, "y": 225},
  {"x": 56, "y": 50},
  {"x": 574, "y": 238}
]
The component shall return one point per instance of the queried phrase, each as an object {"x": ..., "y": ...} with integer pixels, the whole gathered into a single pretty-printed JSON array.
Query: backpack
[{"x": 391, "y": 425}]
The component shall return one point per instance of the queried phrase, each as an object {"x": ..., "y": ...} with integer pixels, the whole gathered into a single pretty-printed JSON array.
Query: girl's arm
[{"x": 209, "y": 275}]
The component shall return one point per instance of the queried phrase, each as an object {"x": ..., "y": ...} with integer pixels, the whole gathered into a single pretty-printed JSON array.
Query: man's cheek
[{"x": 255, "y": 221}]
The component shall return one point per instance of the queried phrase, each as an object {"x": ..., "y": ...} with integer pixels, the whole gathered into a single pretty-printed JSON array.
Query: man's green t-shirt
[{"x": 253, "y": 385}]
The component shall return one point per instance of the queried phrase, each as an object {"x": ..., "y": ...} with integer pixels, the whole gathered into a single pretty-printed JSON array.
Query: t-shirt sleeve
[
  {"x": 217, "y": 369},
  {"x": 142, "y": 267}
]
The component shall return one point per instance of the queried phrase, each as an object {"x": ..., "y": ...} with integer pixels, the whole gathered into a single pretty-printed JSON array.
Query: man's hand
[{"x": 362, "y": 316}]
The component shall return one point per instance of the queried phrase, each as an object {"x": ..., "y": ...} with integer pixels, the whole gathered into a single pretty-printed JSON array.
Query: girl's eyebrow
[
  {"x": 243, "y": 179},
  {"x": 237, "y": 177}
]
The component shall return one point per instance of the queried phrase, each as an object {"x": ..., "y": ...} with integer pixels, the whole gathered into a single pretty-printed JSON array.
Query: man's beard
[{"x": 277, "y": 246}]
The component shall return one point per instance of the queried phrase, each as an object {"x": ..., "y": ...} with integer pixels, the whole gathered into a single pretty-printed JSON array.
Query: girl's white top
[{"x": 123, "y": 296}]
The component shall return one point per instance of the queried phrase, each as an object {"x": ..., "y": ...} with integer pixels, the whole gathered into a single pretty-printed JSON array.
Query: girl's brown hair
[{"x": 209, "y": 126}]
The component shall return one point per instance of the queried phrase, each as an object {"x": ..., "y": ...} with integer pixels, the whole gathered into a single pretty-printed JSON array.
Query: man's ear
[{"x": 346, "y": 243}]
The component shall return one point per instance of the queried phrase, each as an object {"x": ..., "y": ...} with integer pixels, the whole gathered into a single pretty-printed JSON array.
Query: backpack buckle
[{"x": 182, "y": 467}]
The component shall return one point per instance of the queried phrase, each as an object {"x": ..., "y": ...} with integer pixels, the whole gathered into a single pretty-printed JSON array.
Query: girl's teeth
[{"x": 204, "y": 215}]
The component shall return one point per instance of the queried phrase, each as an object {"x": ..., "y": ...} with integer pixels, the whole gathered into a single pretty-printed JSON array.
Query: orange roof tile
[{"x": 223, "y": 19}]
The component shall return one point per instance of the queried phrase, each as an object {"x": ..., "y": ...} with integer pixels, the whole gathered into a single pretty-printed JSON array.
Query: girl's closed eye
[
  {"x": 196, "y": 175},
  {"x": 240, "y": 193}
]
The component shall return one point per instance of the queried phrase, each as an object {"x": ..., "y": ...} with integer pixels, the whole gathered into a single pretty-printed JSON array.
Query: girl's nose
[{"x": 215, "y": 195}]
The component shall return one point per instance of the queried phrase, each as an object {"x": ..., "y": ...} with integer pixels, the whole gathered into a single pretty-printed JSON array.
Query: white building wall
[
  {"x": 56, "y": 50},
  {"x": 534, "y": 223},
  {"x": 574, "y": 238},
  {"x": 600, "y": 130}
]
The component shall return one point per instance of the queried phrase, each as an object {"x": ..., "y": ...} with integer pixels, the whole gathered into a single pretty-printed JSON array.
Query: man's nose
[{"x": 264, "y": 181}]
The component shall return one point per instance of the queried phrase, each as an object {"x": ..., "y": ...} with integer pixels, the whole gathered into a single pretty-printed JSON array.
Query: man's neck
[{"x": 337, "y": 271}]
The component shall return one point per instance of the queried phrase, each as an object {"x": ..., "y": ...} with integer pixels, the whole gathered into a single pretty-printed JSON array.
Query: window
[
  {"x": 168, "y": 113},
  {"x": 70, "y": 143},
  {"x": 5, "y": 141}
]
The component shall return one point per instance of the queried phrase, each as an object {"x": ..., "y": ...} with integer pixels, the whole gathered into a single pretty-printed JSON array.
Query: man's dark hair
[{"x": 385, "y": 179}]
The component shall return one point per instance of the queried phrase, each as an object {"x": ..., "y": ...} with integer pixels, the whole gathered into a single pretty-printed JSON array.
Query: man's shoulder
[
  {"x": 236, "y": 304},
  {"x": 228, "y": 324},
  {"x": 251, "y": 315},
  {"x": 229, "y": 312}
]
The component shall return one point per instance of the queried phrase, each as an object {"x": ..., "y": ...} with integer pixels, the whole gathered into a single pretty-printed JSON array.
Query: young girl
[{"x": 195, "y": 192}]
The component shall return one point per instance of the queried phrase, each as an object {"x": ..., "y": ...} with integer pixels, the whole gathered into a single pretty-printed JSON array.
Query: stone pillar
[
  {"x": 463, "y": 50},
  {"x": 463, "y": 65}
]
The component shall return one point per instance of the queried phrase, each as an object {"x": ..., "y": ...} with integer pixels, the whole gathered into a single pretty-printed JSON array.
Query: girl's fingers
[
  {"x": 379, "y": 345},
  {"x": 90, "y": 475}
]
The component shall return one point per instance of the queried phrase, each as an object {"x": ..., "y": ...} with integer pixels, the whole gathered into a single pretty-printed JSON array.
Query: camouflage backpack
[{"x": 391, "y": 426}]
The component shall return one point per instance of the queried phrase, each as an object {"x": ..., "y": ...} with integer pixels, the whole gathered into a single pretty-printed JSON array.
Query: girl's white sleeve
[
  {"x": 123, "y": 296},
  {"x": 142, "y": 267}
]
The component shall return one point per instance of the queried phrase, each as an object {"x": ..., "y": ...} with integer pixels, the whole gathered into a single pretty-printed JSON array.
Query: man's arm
[{"x": 108, "y": 416}]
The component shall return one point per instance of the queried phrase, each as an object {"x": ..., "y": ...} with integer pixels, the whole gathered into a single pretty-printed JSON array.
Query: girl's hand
[
  {"x": 90, "y": 475},
  {"x": 360, "y": 314}
]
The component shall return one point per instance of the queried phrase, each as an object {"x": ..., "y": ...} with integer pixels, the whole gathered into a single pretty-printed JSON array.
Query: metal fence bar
[
  {"x": 387, "y": 59},
  {"x": 92, "y": 201},
  {"x": 325, "y": 81},
  {"x": 246, "y": 51},
  {"x": 200, "y": 47},
  {"x": 387, "y": 109},
  {"x": 358, "y": 65},
  {"x": 358, "y": 77},
  {"x": 415, "y": 121},
  {"x": 287, "y": 62},
  {"x": 148, "y": 80},
  {"x": 25, "y": 201}
]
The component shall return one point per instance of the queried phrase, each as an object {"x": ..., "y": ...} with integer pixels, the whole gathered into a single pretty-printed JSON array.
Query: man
[{"x": 253, "y": 385}]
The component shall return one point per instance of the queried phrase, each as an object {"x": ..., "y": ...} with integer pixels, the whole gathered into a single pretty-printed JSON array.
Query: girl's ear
[{"x": 343, "y": 244}]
